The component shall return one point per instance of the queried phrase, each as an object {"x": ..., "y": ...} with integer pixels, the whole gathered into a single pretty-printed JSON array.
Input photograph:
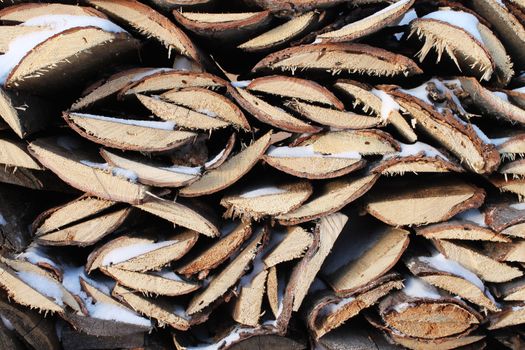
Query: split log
[
  {"x": 509, "y": 317},
  {"x": 365, "y": 142},
  {"x": 506, "y": 218},
  {"x": 511, "y": 291}
]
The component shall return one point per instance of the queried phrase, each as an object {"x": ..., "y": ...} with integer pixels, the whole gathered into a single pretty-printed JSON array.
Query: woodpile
[{"x": 204, "y": 174}]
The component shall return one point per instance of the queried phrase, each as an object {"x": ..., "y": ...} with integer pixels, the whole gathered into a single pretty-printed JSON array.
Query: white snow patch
[
  {"x": 419, "y": 92},
  {"x": 439, "y": 262},
  {"x": 115, "y": 171},
  {"x": 147, "y": 73},
  {"x": 501, "y": 95},
  {"x": 481, "y": 134},
  {"x": 388, "y": 104},
  {"x": 408, "y": 150},
  {"x": 215, "y": 159},
  {"x": 334, "y": 307},
  {"x": 170, "y": 275},
  {"x": 401, "y": 307},
  {"x": 43, "y": 285},
  {"x": 499, "y": 141},
  {"x": 182, "y": 63},
  {"x": 518, "y": 206},
  {"x": 418, "y": 288},
  {"x": 181, "y": 169},
  {"x": 307, "y": 151},
  {"x": 122, "y": 254},
  {"x": 36, "y": 255},
  {"x": 473, "y": 215},
  {"x": 3, "y": 222},
  {"x": 459, "y": 19},
  {"x": 520, "y": 90},
  {"x": 241, "y": 84},
  {"x": 54, "y": 24},
  {"x": 163, "y": 125},
  {"x": 7, "y": 323},
  {"x": 209, "y": 113},
  {"x": 263, "y": 191}
]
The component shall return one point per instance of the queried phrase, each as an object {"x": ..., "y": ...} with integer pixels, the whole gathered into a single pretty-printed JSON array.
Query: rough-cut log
[
  {"x": 228, "y": 27},
  {"x": 378, "y": 102},
  {"x": 510, "y": 252},
  {"x": 423, "y": 201},
  {"x": 180, "y": 215},
  {"x": 293, "y": 245},
  {"x": 363, "y": 254},
  {"x": 469, "y": 342},
  {"x": 514, "y": 185},
  {"x": 24, "y": 12},
  {"x": 486, "y": 268},
  {"x": 328, "y": 311},
  {"x": 230, "y": 171},
  {"x": 511, "y": 291},
  {"x": 261, "y": 201},
  {"x": 368, "y": 25},
  {"x": 148, "y": 22},
  {"x": 208, "y": 102},
  {"x": 137, "y": 253},
  {"x": 506, "y": 218},
  {"x": 365, "y": 142},
  {"x": 332, "y": 197},
  {"x": 75, "y": 340},
  {"x": 509, "y": 317},
  {"x": 69, "y": 163},
  {"x": 337, "y": 58},
  {"x": 247, "y": 308},
  {"x": 354, "y": 337},
  {"x": 283, "y": 34},
  {"x": 452, "y": 277}
]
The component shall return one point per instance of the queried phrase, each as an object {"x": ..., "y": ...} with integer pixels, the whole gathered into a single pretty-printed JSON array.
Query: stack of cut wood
[{"x": 205, "y": 174}]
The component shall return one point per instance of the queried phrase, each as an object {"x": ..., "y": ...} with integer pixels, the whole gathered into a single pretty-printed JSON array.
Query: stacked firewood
[{"x": 262, "y": 174}]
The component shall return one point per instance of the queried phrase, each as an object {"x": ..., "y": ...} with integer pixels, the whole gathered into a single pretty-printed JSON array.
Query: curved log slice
[
  {"x": 436, "y": 201},
  {"x": 328, "y": 311},
  {"x": 506, "y": 252},
  {"x": 23, "y": 12},
  {"x": 469, "y": 225},
  {"x": 181, "y": 215},
  {"x": 207, "y": 102},
  {"x": 264, "y": 201},
  {"x": 230, "y": 171},
  {"x": 511, "y": 316},
  {"x": 420, "y": 312},
  {"x": 452, "y": 277},
  {"x": 303, "y": 161},
  {"x": 332, "y": 197},
  {"x": 140, "y": 254},
  {"x": 480, "y": 53},
  {"x": 511, "y": 291},
  {"x": 227, "y": 27},
  {"x": 129, "y": 134},
  {"x": 14, "y": 154},
  {"x": 146, "y": 21},
  {"x": 485, "y": 267},
  {"x": 363, "y": 254},
  {"x": 74, "y": 165},
  {"x": 506, "y": 218},
  {"x": 281, "y": 35},
  {"x": 336, "y": 58},
  {"x": 416, "y": 158},
  {"x": 368, "y": 25},
  {"x": 514, "y": 185},
  {"x": 379, "y": 103},
  {"x": 463, "y": 140}
]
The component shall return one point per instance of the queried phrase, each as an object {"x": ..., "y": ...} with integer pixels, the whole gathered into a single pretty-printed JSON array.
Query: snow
[
  {"x": 7, "y": 323},
  {"x": 460, "y": 19},
  {"x": 116, "y": 171},
  {"x": 44, "y": 285},
  {"x": 518, "y": 308},
  {"x": 170, "y": 275},
  {"x": 184, "y": 169},
  {"x": 419, "y": 92},
  {"x": 263, "y": 191},
  {"x": 209, "y": 113},
  {"x": 307, "y": 151},
  {"x": 501, "y": 95},
  {"x": 182, "y": 63},
  {"x": 147, "y": 73},
  {"x": 36, "y": 255},
  {"x": 481, "y": 134},
  {"x": 163, "y": 125},
  {"x": 334, "y": 307},
  {"x": 401, "y": 307},
  {"x": 106, "y": 311},
  {"x": 499, "y": 141},
  {"x": 241, "y": 84},
  {"x": 55, "y": 24},
  {"x": 439, "y": 262},
  {"x": 215, "y": 159},
  {"x": 518, "y": 206},
  {"x": 415, "y": 148},
  {"x": 418, "y": 288},
  {"x": 520, "y": 90},
  {"x": 3, "y": 222},
  {"x": 407, "y": 18},
  {"x": 388, "y": 104},
  {"x": 224, "y": 342},
  {"x": 473, "y": 215},
  {"x": 122, "y": 254}
]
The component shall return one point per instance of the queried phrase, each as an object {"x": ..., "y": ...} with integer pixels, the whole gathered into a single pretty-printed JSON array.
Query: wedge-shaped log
[
  {"x": 126, "y": 134},
  {"x": 230, "y": 171},
  {"x": 365, "y": 142},
  {"x": 510, "y": 252},
  {"x": 353, "y": 58},
  {"x": 67, "y": 164},
  {"x": 228, "y": 27},
  {"x": 509, "y": 317},
  {"x": 506, "y": 218},
  {"x": 210, "y": 103},
  {"x": 150, "y": 23},
  {"x": 332, "y": 197},
  {"x": 217, "y": 253},
  {"x": 511, "y": 291},
  {"x": 328, "y": 311},
  {"x": 282, "y": 34},
  {"x": 514, "y": 185},
  {"x": 247, "y": 307},
  {"x": 180, "y": 215},
  {"x": 261, "y": 201},
  {"x": 459, "y": 138},
  {"x": 140, "y": 254},
  {"x": 368, "y": 25},
  {"x": 225, "y": 279},
  {"x": 24, "y": 12},
  {"x": 295, "y": 88},
  {"x": 378, "y": 102},
  {"x": 303, "y": 161},
  {"x": 452, "y": 277},
  {"x": 486, "y": 268},
  {"x": 370, "y": 253},
  {"x": 152, "y": 174},
  {"x": 436, "y": 200},
  {"x": 292, "y": 244}
]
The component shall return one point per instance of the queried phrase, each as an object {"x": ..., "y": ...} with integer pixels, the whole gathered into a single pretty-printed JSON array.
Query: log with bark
[{"x": 203, "y": 174}]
